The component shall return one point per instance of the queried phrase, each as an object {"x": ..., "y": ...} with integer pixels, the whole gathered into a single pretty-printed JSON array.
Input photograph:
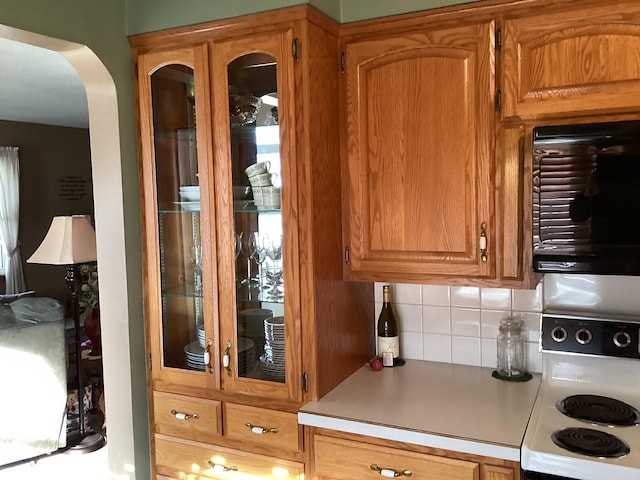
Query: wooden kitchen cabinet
[
  {"x": 334, "y": 455},
  {"x": 419, "y": 123},
  {"x": 572, "y": 60},
  {"x": 180, "y": 459},
  {"x": 214, "y": 100}
]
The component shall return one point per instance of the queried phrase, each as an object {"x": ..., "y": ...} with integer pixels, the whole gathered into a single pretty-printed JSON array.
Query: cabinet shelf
[
  {"x": 178, "y": 209},
  {"x": 184, "y": 291},
  {"x": 241, "y": 206},
  {"x": 256, "y": 294}
]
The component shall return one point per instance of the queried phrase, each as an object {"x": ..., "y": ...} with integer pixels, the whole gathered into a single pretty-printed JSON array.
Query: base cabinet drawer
[
  {"x": 183, "y": 459},
  {"x": 270, "y": 428},
  {"x": 340, "y": 459},
  {"x": 186, "y": 417}
]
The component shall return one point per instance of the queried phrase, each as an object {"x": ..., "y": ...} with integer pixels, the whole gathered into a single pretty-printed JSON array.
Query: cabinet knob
[
  {"x": 218, "y": 467},
  {"x": 207, "y": 356},
  {"x": 260, "y": 430},
  {"x": 483, "y": 242},
  {"x": 390, "y": 473},
  {"x": 226, "y": 358},
  {"x": 184, "y": 416}
]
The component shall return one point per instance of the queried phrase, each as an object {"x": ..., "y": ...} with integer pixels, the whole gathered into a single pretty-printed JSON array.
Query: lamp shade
[{"x": 70, "y": 240}]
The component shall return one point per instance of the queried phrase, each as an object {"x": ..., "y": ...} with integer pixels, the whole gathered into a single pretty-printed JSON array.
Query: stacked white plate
[
  {"x": 272, "y": 362},
  {"x": 195, "y": 356},
  {"x": 246, "y": 355},
  {"x": 201, "y": 334}
]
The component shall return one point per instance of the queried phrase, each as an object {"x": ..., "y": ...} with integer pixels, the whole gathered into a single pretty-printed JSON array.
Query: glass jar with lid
[{"x": 511, "y": 348}]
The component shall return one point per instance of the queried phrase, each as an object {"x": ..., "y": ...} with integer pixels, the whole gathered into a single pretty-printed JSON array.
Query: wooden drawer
[
  {"x": 203, "y": 423},
  {"x": 182, "y": 459},
  {"x": 271, "y": 428},
  {"x": 340, "y": 459}
]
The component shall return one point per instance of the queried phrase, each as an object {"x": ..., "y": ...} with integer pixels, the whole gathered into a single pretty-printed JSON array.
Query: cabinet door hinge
[
  {"x": 295, "y": 49},
  {"x": 347, "y": 255},
  {"x": 498, "y": 39},
  {"x": 150, "y": 362},
  {"x": 498, "y": 100},
  {"x": 304, "y": 382},
  {"x": 343, "y": 62}
]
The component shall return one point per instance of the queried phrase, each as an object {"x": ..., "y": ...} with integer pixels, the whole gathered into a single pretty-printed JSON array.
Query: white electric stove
[{"x": 585, "y": 423}]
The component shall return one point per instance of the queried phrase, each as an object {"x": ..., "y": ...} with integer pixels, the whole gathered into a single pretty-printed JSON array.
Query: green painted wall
[
  {"x": 354, "y": 10},
  {"x": 150, "y": 15}
]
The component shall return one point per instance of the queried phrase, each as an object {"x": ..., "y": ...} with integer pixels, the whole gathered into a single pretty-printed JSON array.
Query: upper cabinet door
[
  {"x": 255, "y": 177},
  {"x": 580, "y": 60},
  {"x": 420, "y": 126},
  {"x": 179, "y": 289}
]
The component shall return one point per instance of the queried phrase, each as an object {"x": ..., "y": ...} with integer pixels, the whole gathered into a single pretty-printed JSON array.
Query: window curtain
[{"x": 9, "y": 217}]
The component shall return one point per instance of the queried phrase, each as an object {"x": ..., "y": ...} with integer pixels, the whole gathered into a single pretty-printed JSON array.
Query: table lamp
[{"x": 70, "y": 241}]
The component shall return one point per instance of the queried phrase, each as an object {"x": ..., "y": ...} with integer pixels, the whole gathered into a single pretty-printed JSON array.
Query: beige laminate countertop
[{"x": 441, "y": 405}]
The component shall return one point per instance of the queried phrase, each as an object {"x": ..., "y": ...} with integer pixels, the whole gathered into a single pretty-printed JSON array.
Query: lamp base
[{"x": 90, "y": 443}]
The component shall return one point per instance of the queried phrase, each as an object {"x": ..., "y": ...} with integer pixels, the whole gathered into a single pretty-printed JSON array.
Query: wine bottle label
[{"x": 388, "y": 344}]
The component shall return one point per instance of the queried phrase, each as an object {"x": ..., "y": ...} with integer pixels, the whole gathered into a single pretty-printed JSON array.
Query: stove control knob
[
  {"x": 559, "y": 334},
  {"x": 622, "y": 339},
  {"x": 583, "y": 336}
]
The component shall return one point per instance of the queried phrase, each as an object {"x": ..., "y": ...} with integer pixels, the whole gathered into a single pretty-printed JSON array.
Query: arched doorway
[{"x": 109, "y": 220}]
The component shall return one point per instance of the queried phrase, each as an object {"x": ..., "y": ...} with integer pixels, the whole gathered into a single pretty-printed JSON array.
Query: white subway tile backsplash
[
  {"x": 528, "y": 300},
  {"x": 466, "y": 351},
  {"x": 436, "y": 319},
  {"x": 495, "y": 299},
  {"x": 465, "y": 322},
  {"x": 436, "y": 348},
  {"x": 465, "y": 297},
  {"x": 531, "y": 325},
  {"x": 489, "y": 352},
  {"x": 460, "y": 324},
  {"x": 534, "y": 357},
  {"x": 490, "y": 321},
  {"x": 409, "y": 317},
  {"x": 400, "y": 293},
  {"x": 436, "y": 295},
  {"x": 411, "y": 345}
]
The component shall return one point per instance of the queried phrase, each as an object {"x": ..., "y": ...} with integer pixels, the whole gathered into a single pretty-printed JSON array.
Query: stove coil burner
[
  {"x": 598, "y": 409},
  {"x": 593, "y": 443}
]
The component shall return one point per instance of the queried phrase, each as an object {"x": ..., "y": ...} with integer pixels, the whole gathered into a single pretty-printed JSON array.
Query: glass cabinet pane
[
  {"x": 257, "y": 182},
  {"x": 178, "y": 199}
]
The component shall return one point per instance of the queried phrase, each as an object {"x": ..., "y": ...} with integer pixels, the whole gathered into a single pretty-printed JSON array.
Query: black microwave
[{"x": 586, "y": 198}]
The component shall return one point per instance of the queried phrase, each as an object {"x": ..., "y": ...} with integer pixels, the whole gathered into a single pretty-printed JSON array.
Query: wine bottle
[{"x": 388, "y": 342}]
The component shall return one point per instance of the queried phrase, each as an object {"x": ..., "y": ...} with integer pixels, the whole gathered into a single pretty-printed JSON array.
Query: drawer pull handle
[
  {"x": 261, "y": 430},
  {"x": 226, "y": 358},
  {"x": 221, "y": 468},
  {"x": 483, "y": 242},
  {"x": 184, "y": 416},
  {"x": 207, "y": 356},
  {"x": 389, "y": 473}
]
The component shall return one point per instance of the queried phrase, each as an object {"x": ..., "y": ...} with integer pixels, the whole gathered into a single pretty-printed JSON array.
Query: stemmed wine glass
[
  {"x": 238, "y": 243},
  {"x": 273, "y": 268},
  {"x": 237, "y": 238},
  {"x": 261, "y": 243},
  {"x": 249, "y": 250},
  {"x": 196, "y": 261}
]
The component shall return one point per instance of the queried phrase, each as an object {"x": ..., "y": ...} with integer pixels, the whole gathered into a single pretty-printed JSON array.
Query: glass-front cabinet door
[
  {"x": 177, "y": 217},
  {"x": 253, "y": 150}
]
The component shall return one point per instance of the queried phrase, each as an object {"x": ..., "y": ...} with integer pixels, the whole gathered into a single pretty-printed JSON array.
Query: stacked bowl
[
  {"x": 190, "y": 196},
  {"x": 194, "y": 356}
]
